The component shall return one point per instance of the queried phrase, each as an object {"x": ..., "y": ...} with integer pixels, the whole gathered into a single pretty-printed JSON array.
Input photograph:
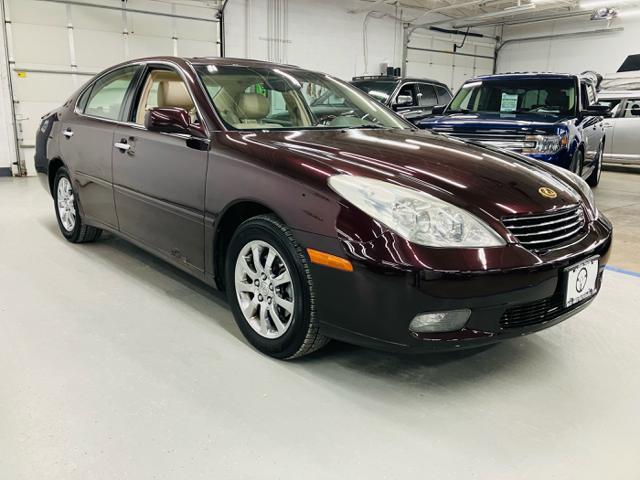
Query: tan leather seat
[
  {"x": 174, "y": 94},
  {"x": 252, "y": 108}
]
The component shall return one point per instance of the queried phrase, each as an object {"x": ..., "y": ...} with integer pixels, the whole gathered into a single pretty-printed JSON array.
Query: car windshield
[
  {"x": 542, "y": 96},
  {"x": 380, "y": 90},
  {"x": 263, "y": 98}
]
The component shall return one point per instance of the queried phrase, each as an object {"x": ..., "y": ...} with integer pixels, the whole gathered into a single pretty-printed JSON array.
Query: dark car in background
[
  {"x": 354, "y": 226},
  {"x": 547, "y": 116},
  {"x": 411, "y": 98}
]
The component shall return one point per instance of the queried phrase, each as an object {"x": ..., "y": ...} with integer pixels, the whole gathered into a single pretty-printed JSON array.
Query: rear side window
[
  {"x": 632, "y": 108},
  {"x": 444, "y": 96},
  {"x": 427, "y": 95},
  {"x": 108, "y": 94}
]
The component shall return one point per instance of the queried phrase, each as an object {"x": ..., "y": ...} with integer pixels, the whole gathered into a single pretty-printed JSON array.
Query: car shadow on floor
[{"x": 418, "y": 370}]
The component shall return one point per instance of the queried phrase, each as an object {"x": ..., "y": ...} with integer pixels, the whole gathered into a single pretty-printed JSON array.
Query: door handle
[
  {"x": 123, "y": 146},
  {"x": 68, "y": 133}
]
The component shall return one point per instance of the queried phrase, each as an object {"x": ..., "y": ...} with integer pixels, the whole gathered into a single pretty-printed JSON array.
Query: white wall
[
  {"x": 321, "y": 35},
  {"x": 602, "y": 52}
]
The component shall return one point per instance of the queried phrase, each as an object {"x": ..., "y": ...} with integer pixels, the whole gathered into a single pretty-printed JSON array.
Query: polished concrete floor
[{"x": 114, "y": 365}]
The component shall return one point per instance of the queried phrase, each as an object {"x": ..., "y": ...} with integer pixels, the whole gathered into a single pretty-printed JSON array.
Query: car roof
[
  {"x": 393, "y": 78},
  {"x": 525, "y": 75}
]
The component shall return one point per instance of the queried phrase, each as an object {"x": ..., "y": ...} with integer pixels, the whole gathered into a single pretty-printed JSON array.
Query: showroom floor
[{"x": 115, "y": 365}]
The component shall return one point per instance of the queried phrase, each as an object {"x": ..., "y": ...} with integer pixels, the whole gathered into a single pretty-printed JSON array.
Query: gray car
[{"x": 623, "y": 127}]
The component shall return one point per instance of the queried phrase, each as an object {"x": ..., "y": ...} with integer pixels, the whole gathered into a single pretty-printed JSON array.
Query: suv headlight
[
  {"x": 545, "y": 144},
  {"x": 584, "y": 187},
  {"x": 414, "y": 215}
]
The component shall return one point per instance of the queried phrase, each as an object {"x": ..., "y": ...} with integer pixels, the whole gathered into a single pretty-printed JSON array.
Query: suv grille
[
  {"x": 546, "y": 230},
  {"x": 510, "y": 141}
]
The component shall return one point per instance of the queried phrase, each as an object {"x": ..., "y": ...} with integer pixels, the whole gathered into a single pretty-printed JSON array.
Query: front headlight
[
  {"x": 544, "y": 144},
  {"x": 414, "y": 215},
  {"x": 584, "y": 187}
]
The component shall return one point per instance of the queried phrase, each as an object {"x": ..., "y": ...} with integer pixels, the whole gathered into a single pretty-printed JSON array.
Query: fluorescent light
[
  {"x": 629, "y": 13},
  {"x": 589, "y": 4}
]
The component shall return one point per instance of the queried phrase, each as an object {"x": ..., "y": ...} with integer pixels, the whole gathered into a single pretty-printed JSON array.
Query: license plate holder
[{"x": 580, "y": 281}]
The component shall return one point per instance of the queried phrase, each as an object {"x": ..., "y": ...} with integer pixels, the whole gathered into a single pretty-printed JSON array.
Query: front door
[
  {"x": 159, "y": 178},
  {"x": 623, "y": 142}
]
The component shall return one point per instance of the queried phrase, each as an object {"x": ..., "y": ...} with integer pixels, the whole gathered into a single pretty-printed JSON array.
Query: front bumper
[{"x": 373, "y": 305}]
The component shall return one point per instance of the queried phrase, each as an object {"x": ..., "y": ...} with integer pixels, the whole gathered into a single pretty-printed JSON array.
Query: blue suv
[{"x": 547, "y": 116}]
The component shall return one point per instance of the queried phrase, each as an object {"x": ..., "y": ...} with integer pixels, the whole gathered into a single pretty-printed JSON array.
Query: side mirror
[
  {"x": 403, "y": 101},
  {"x": 597, "y": 110},
  {"x": 168, "y": 120},
  {"x": 438, "y": 109}
]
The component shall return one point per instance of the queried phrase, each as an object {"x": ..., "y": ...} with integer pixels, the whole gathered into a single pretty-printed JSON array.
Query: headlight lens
[
  {"x": 544, "y": 144},
  {"x": 416, "y": 216},
  {"x": 584, "y": 187}
]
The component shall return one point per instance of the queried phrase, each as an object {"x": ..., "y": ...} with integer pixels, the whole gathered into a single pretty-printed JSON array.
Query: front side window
[
  {"x": 164, "y": 88},
  {"x": 427, "y": 95},
  {"x": 108, "y": 93},
  {"x": 380, "y": 90},
  {"x": 632, "y": 108},
  {"x": 263, "y": 98},
  {"x": 542, "y": 96},
  {"x": 444, "y": 96}
]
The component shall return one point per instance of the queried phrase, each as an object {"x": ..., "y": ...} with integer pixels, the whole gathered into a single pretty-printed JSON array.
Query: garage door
[
  {"x": 55, "y": 46},
  {"x": 430, "y": 56}
]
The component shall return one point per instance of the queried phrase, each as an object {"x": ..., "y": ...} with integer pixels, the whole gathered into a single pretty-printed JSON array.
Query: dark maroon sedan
[{"x": 350, "y": 225}]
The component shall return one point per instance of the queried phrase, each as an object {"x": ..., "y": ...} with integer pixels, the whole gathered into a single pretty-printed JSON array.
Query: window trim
[{"x": 135, "y": 89}]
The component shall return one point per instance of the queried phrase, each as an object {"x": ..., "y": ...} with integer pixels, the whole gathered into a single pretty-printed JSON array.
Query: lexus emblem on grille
[
  {"x": 547, "y": 192},
  {"x": 581, "y": 280}
]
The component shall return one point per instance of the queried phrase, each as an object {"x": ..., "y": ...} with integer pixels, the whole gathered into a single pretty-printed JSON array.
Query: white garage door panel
[
  {"x": 90, "y": 18},
  {"x": 192, "y": 48},
  {"x": 40, "y": 44},
  {"x": 148, "y": 46},
  {"x": 96, "y": 50},
  {"x": 37, "y": 12},
  {"x": 204, "y": 31},
  {"x": 41, "y": 87},
  {"x": 41, "y": 41}
]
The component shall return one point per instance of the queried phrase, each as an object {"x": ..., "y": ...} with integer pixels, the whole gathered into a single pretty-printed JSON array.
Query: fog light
[{"x": 440, "y": 321}]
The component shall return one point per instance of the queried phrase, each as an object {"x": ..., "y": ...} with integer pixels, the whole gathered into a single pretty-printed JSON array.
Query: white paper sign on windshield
[{"x": 509, "y": 102}]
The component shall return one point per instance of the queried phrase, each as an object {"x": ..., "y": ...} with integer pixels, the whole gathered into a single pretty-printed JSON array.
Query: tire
[
  {"x": 594, "y": 179},
  {"x": 577, "y": 162},
  {"x": 66, "y": 207},
  {"x": 261, "y": 288}
]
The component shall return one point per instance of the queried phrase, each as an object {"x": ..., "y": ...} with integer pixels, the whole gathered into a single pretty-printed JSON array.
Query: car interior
[{"x": 164, "y": 88}]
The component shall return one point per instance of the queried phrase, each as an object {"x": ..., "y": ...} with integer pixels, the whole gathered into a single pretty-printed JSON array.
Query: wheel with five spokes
[
  {"x": 270, "y": 289},
  {"x": 67, "y": 213}
]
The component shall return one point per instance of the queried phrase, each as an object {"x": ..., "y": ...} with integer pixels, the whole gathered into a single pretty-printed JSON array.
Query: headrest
[
  {"x": 174, "y": 94},
  {"x": 253, "y": 106},
  {"x": 557, "y": 98}
]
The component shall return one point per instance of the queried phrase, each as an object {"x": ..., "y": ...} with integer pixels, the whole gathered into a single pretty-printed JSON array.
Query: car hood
[
  {"x": 485, "y": 181},
  {"x": 526, "y": 123}
]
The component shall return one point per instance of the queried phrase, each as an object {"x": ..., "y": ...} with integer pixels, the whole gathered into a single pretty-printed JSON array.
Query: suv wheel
[
  {"x": 67, "y": 213},
  {"x": 270, "y": 290}
]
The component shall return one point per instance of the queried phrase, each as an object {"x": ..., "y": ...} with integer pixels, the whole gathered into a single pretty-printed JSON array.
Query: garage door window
[{"x": 107, "y": 95}]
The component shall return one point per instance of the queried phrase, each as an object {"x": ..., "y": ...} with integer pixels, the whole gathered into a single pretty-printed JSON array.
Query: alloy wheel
[
  {"x": 66, "y": 204},
  {"x": 264, "y": 289}
]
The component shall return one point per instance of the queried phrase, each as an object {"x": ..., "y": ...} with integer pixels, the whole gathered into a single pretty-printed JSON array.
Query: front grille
[
  {"x": 508, "y": 141},
  {"x": 535, "y": 313},
  {"x": 547, "y": 230}
]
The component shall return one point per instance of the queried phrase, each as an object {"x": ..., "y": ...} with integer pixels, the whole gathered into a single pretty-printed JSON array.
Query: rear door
[
  {"x": 159, "y": 178},
  {"x": 87, "y": 139},
  {"x": 624, "y": 142}
]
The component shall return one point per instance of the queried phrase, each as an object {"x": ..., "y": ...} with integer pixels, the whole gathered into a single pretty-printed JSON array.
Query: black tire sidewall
[
  {"x": 73, "y": 234},
  {"x": 594, "y": 177},
  {"x": 288, "y": 344},
  {"x": 576, "y": 163}
]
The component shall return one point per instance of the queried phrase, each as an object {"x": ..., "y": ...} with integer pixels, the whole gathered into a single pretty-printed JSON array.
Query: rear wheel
[
  {"x": 270, "y": 289},
  {"x": 594, "y": 178},
  {"x": 67, "y": 213}
]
